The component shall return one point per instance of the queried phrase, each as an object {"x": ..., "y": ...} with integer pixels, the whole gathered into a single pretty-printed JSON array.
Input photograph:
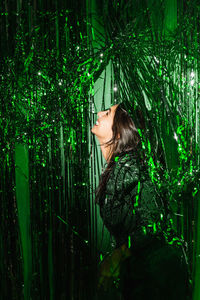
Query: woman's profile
[{"x": 143, "y": 263}]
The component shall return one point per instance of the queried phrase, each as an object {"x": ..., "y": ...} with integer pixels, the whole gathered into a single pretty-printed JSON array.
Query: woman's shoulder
[
  {"x": 126, "y": 159},
  {"x": 126, "y": 169},
  {"x": 129, "y": 162}
]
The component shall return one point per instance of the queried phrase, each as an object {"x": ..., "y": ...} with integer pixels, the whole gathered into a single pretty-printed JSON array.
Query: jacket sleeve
[
  {"x": 118, "y": 212},
  {"x": 127, "y": 178}
]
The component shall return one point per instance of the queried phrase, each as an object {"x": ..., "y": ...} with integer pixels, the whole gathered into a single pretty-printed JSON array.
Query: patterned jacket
[{"x": 131, "y": 209}]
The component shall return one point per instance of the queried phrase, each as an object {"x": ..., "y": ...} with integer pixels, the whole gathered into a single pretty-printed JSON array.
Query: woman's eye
[{"x": 107, "y": 113}]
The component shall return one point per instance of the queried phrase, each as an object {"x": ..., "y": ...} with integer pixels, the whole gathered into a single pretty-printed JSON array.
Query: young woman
[{"x": 146, "y": 263}]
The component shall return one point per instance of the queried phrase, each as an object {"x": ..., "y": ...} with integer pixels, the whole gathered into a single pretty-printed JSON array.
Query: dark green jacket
[
  {"x": 131, "y": 209},
  {"x": 136, "y": 215}
]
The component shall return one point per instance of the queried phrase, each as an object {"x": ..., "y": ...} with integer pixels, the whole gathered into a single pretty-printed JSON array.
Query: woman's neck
[{"x": 106, "y": 151}]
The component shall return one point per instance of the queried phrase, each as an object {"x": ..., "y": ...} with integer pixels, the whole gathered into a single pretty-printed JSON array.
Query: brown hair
[{"x": 129, "y": 140}]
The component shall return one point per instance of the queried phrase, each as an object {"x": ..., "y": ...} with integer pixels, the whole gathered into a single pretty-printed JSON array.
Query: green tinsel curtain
[{"x": 61, "y": 62}]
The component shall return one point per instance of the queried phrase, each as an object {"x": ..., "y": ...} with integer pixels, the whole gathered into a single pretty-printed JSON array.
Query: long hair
[{"x": 125, "y": 139}]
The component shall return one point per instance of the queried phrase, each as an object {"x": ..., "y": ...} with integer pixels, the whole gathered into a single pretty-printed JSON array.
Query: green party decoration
[
  {"x": 23, "y": 210},
  {"x": 51, "y": 57}
]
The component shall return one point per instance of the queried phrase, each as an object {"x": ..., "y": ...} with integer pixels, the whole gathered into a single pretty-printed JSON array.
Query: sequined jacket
[{"x": 131, "y": 209}]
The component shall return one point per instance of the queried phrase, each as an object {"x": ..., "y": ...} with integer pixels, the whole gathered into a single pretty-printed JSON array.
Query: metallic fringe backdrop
[{"x": 61, "y": 62}]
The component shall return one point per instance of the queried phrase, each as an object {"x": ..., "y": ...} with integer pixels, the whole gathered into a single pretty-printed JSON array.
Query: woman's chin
[{"x": 93, "y": 129}]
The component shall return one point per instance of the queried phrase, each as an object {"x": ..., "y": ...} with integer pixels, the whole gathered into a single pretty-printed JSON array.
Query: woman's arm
[
  {"x": 118, "y": 216},
  {"x": 121, "y": 195}
]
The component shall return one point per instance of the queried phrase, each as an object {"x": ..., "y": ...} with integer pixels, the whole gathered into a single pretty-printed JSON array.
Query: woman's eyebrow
[{"x": 108, "y": 109}]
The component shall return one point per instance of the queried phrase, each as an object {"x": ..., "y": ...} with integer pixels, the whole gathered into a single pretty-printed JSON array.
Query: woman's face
[{"x": 103, "y": 128}]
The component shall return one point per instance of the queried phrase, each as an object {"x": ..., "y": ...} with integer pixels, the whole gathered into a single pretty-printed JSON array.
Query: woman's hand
[{"x": 110, "y": 267}]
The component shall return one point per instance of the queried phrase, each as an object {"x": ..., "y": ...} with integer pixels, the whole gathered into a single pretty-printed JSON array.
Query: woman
[{"x": 146, "y": 263}]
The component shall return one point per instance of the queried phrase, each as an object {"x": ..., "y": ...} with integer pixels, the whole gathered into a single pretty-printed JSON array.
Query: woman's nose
[{"x": 99, "y": 113}]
